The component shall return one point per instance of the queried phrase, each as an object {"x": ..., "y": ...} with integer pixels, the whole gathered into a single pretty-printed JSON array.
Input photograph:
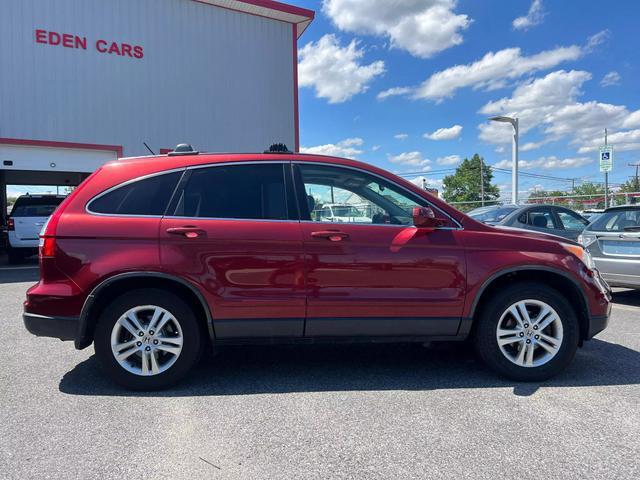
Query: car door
[
  {"x": 572, "y": 224},
  {"x": 234, "y": 231},
  {"x": 375, "y": 274}
]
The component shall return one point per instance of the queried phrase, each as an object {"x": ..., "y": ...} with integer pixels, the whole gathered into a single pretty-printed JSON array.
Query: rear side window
[
  {"x": 35, "y": 206},
  {"x": 235, "y": 191},
  {"x": 148, "y": 196}
]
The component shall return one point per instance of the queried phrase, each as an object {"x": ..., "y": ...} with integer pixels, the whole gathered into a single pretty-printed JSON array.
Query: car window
[
  {"x": 148, "y": 196},
  {"x": 35, "y": 206},
  {"x": 491, "y": 214},
  {"x": 571, "y": 221},
  {"x": 539, "y": 218},
  {"x": 254, "y": 192},
  {"x": 354, "y": 196},
  {"x": 616, "y": 221}
]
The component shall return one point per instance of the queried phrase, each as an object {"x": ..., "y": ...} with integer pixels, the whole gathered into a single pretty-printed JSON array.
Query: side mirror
[{"x": 424, "y": 217}]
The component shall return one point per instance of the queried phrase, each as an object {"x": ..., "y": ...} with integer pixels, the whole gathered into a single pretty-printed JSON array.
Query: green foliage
[{"x": 464, "y": 185}]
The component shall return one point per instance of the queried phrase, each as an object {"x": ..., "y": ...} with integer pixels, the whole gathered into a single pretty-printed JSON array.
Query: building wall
[{"x": 218, "y": 79}]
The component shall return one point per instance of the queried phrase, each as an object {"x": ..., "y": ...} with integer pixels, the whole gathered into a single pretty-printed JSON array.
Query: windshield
[
  {"x": 616, "y": 221},
  {"x": 493, "y": 214}
]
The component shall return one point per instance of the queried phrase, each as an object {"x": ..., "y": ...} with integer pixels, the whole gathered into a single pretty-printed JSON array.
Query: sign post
[{"x": 606, "y": 165}]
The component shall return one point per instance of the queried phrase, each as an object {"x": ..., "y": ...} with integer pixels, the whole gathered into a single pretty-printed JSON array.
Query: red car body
[{"x": 285, "y": 279}]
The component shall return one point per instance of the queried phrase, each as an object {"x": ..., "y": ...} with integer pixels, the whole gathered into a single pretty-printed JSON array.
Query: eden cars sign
[{"x": 68, "y": 40}]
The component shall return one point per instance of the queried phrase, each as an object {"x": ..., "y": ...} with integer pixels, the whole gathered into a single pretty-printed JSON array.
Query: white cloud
[
  {"x": 445, "y": 133},
  {"x": 375, "y": 148},
  {"x": 345, "y": 148},
  {"x": 632, "y": 121},
  {"x": 393, "y": 92},
  {"x": 401, "y": 136},
  {"x": 449, "y": 160},
  {"x": 547, "y": 163},
  {"x": 534, "y": 17},
  {"x": 412, "y": 159},
  {"x": 596, "y": 40},
  {"x": 335, "y": 72},
  {"x": 621, "y": 141},
  {"x": 551, "y": 104},
  {"x": 493, "y": 71},
  {"x": 421, "y": 27},
  {"x": 611, "y": 78}
]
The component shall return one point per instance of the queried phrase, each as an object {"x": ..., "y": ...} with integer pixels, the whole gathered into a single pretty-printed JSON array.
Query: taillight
[
  {"x": 11, "y": 224},
  {"x": 47, "y": 247}
]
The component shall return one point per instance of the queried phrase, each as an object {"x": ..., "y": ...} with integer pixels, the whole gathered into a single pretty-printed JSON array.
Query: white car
[
  {"x": 332, "y": 212},
  {"x": 28, "y": 215}
]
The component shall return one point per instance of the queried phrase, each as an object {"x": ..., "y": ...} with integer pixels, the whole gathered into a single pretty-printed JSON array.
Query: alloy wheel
[
  {"x": 146, "y": 340},
  {"x": 529, "y": 333}
]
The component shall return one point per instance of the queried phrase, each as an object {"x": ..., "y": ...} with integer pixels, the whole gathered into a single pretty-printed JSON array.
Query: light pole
[{"x": 514, "y": 155}]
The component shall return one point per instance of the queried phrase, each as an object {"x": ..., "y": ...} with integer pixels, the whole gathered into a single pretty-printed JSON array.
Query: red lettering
[
  {"x": 54, "y": 38},
  {"x": 41, "y": 36},
  {"x": 114, "y": 48},
  {"x": 81, "y": 42},
  {"x": 138, "y": 52},
  {"x": 101, "y": 46},
  {"x": 126, "y": 49},
  {"x": 67, "y": 40}
]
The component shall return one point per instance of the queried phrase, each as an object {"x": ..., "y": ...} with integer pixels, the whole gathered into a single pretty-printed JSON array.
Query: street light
[{"x": 514, "y": 155}]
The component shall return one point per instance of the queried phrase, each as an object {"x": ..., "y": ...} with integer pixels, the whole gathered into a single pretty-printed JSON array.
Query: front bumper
[{"x": 64, "y": 328}]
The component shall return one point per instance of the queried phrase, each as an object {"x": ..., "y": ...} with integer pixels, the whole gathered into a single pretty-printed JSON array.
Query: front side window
[
  {"x": 148, "y": 196},
  {"x": 342, "y": 195},
  {"x": 235, "y": 191}
]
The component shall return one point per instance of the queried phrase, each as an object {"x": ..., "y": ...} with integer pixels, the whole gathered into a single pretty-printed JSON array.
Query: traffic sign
[{"x": 606, "y": 159}]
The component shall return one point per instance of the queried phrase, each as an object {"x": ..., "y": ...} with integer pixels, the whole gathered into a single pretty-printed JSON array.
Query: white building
[{"x": 86, "y": 81}]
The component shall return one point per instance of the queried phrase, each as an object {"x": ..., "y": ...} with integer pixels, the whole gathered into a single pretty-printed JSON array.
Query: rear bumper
[
  {"x": 64, "y": 328},
  {"x": 596, "y": 325}
]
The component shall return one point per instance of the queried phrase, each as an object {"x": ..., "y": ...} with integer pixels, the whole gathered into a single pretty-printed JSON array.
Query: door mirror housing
[{"x": 425, "y": 217}]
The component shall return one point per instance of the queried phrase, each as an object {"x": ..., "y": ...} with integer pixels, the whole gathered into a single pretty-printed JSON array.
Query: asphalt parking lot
[{"x": 366, "y": 411}]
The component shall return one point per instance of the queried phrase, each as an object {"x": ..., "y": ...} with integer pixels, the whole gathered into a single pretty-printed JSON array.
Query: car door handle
[
  {"x": 188, "y": 231},
  {"x": 333, "y": 235}
]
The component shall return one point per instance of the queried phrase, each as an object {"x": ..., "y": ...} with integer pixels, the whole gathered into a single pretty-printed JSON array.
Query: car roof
[{"x": 622, "y": 207}]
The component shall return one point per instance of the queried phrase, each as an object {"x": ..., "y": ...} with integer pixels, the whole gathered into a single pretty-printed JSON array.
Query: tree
[
  {"x": 465, "y": 186},
  {"x": 631, "y": 185}
]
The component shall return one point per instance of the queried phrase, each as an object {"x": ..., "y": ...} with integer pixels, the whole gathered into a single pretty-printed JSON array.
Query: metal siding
[{"x": 219, "y": 79}]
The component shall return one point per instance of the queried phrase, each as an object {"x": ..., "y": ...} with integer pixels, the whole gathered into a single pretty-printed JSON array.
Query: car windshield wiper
[{"x": 632, "y": 229}]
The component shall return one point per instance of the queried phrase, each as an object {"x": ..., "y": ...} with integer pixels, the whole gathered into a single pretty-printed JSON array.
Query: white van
[{"x": 28, "y": 215}]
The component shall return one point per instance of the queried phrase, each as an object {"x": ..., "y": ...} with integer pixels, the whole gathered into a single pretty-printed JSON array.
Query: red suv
[{"x": 154, "y": 259}]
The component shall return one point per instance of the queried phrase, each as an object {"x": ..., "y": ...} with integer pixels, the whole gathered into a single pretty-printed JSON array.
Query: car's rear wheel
[
  {"x": 527, "y": 332},
  {"x": 147, "y": 339}
]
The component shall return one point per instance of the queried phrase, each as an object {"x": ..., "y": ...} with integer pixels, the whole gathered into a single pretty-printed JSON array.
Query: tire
[
  {"x": 552, "y": 346},
  {"x": 180, "y": 333}
]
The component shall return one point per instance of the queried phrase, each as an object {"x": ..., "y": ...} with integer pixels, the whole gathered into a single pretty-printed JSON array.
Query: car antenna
[{"x": 149, "y": 148}]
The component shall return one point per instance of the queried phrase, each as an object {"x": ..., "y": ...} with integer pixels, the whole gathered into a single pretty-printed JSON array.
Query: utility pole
[
  {"x": 481, "y": 184},
  {"x": 636, "y": 181},
  {"x": 606, "y": 178}
]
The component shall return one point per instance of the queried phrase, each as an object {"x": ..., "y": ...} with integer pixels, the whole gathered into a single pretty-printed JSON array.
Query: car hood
[{"x": 536, "y": 235}]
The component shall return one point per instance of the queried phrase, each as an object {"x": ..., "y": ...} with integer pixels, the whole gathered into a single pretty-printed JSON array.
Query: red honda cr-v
[{"x": 153, "y": 259}]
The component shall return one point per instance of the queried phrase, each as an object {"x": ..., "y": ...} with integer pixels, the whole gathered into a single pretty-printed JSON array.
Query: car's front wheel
[
  {"x": 527, "y": 332},
  {"x": 147, "y": 339}
]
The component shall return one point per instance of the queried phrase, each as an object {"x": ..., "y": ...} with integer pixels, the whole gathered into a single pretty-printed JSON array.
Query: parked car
[
  {"x": 613, "y": 240},
  {"x": 25, "y": 221},
  {"x": 550, "y": 219},
  {"x": 492, "y": 214},
  {"x": 339, "y": 212},
  {"x": 154, "y": 259}
]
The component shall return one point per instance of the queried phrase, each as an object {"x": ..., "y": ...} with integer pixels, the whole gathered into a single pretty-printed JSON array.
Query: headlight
[{"x": 581, "y": 253}]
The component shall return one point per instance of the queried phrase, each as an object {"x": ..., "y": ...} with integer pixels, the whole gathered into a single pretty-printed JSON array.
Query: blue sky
[{"x": 377, "y": 75}]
